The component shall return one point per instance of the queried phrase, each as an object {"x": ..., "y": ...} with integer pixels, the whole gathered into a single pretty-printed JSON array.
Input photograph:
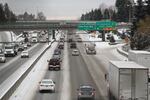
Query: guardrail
[
  {"x": 122, "y": 52},
  {"x": 9, "y": 91}
]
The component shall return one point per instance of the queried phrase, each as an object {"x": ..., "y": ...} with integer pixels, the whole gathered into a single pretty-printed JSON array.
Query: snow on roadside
[
  {"x": 22, "y": 92},
  {"x": 104, "y": 45}
]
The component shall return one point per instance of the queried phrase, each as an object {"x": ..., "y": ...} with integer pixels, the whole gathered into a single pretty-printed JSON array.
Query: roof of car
[
  {"x": 25, "y": 51},
  {"x": 46, "y": 80},
  {"x": 75, "y": 50},
  {"x": 86, "y": 86}
]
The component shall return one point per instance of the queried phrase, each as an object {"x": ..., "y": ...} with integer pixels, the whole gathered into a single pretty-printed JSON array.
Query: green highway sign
[
  {"x": 87, "y": 26},
  {"x": 99, "y": 25}
]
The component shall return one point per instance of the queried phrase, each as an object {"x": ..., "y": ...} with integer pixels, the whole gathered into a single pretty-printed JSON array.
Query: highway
[
  {"x": 80, "y": 69},
  {"x": 13, "y": 63},
  {"x": 79, "y": 74}
]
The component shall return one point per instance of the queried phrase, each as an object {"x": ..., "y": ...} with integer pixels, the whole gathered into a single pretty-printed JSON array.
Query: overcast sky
[{"x": 56, "y": 9}]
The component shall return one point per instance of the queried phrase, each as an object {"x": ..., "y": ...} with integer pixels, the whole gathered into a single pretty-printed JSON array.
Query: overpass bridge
[{"x": 52, "y": 24}]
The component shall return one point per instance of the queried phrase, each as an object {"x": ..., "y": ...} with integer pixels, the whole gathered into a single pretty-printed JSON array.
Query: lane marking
[{"x": 66, "y": 88}]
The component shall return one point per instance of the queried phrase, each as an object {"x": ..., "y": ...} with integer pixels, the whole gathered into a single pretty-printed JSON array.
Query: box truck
[{"x": 127, "y": 81}]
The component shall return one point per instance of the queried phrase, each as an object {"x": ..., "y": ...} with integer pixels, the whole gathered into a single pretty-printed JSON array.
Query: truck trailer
[{"x": 127, "y": 81}]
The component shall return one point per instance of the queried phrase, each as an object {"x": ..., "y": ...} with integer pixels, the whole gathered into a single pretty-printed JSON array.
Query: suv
[
  {"x": 73, "y": 45},
  {"x": 61, "y": 45},
  {"x": 86, "y": 92},
  {"x": 54, "y": 64},
  {"x": 20, "y": 48},
  {"x": 57, "y": 52}
]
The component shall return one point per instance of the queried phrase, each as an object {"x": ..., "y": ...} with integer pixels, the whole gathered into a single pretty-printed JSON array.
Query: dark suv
[
  {"x": 73, "y": 45},
  {"x": 54, "y": 63},
  {"x": 86, "y": 92}
]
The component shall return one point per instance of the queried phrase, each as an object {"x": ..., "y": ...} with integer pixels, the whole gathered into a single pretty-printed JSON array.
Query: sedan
[
  {"x": 86, "y": 91},
  {"x": 2, "y": 58},
  {"x": 75, "y": 52},
  {"x": 47, "y": 85},
  {"x": 24, "y": 54}
]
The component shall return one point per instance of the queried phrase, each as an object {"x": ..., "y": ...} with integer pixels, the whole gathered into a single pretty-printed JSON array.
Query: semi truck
[{"x": 127, "y": 81}]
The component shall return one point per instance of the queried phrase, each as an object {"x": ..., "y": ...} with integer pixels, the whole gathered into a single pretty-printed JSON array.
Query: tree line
[
  {"x": 141, "y": 26},
  {"x": 6, "y": 15},
  {"x": 99, "y": 14}
]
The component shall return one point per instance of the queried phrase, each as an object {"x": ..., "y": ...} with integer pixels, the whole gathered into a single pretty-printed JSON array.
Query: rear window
[{"x": 86, "y": 89}]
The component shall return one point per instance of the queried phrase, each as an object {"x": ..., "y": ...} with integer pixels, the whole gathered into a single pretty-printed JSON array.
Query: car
[
  {"x": 61, "y": 45},
  {"x": 24, "y": 54},
  {"x": 2, "y": 58},
  {"x": 70, "y": 40},
  {"x": 25, "y": 46},
  {"x": 29, "y": 44},
  {"x": 47, "y": 85},
  {"x": 57, "y": 52},
  {"x": 86, "y": 91},
  {"x": 20, "y": 48},
  {"x": 73, "y": 45},
  {"x": 79, "y": 40},
  {"x": 43, "y": 41},
  {"x": 75, "y": 52},
  {"x": 54, "y": 63}
]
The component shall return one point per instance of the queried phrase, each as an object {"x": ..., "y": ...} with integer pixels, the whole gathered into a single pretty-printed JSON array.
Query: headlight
[{"x": 12, "y": 51}]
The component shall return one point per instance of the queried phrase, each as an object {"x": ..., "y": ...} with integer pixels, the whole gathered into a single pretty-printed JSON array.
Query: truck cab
[{"x": 10, "y": 50}]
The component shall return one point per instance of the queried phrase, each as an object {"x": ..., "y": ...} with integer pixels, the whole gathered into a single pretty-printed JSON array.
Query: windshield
[{"x": 9, "y": 47}]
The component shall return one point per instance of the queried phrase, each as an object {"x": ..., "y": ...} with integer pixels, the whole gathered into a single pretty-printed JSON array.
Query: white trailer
[
  {"x": 127, "y": 81},
  {"x": 34, "y": 37}
]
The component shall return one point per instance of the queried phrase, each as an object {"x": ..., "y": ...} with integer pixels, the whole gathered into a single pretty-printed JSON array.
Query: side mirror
[
  {"x": 47, "y": 60},
  {"x": 54, "y": 82},
  {"x": 93, "y": 89},
  {"x": 39, "y": 82},
  {"x": 77, "y": 89}
]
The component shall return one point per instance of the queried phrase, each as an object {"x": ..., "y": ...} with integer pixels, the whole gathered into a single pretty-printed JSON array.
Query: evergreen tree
[
  {"x": 106, "y": 14},
  {"x": 140, "y": 13},
  {"x": 7, "y": 12},
  {"x": 123, "y": 7},
  {"x": 148, "y": 7},
  {"x": 2, "y": 14}
]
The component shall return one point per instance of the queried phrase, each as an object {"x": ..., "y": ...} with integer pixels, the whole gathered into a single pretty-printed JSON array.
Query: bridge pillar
[
  {"x": 103, "y": 35},
  {"x": 53, "y": 34}
]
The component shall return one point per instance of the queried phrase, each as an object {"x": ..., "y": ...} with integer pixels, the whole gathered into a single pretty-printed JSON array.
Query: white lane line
[{"x": 66, "y": 88}]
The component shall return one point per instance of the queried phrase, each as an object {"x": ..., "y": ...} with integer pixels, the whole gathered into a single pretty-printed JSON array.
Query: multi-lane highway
[
  {"x": 75, "y": 71},
  {"x": 13, "y": 63}
]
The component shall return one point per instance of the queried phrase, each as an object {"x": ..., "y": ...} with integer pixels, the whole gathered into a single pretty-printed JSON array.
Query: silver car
[
  {"x": 75, "y": 52},
  {"x": 86, "y": 91},
  {"x": 47, "y": 85},
  {"x": 24, "y": 54},
  {"x": 2, "y": 58}
]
